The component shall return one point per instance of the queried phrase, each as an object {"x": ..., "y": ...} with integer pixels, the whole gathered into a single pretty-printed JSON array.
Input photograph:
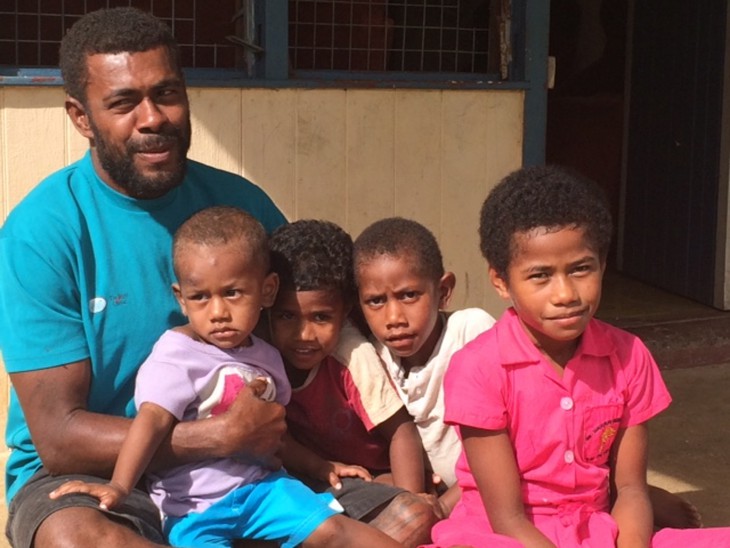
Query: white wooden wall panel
[
  {"x": 269, "y": 128},
  {"x": 370, "y": 157},
  {"x": 216, "y": 127},
  {"x": 34, "y": 128},
  {"x": 320, "y": 155},
  {"x": 418, "y": 156},
  {"x": 351, "y": 156}
]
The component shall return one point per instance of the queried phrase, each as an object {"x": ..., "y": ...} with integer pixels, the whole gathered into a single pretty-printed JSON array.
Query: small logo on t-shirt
[{"x": 97, "y": 305}]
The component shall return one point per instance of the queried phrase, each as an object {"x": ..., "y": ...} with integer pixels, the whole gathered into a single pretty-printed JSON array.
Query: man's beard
[{"x": 119, "y": 164}]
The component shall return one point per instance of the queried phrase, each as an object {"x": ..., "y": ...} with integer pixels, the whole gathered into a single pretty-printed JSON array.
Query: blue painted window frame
[{"x": 528, "y": 69}]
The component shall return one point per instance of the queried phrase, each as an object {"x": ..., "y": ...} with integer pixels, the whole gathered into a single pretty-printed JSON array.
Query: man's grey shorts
[
  {"x": 358, "y": 497},
  {"x": 31, "y": 505}
]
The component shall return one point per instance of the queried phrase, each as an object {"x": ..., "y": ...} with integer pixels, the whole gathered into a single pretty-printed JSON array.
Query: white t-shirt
[{"x": 422, "y": 390}]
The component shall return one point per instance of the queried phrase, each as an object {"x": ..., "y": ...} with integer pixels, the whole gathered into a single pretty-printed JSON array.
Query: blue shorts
[{"x": 278, "y": 508}]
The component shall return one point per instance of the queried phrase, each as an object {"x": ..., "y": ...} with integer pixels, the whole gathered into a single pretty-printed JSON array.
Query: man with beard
[
  {"x": 85, "y": 263},
  {"x": 86, "y": 270}
]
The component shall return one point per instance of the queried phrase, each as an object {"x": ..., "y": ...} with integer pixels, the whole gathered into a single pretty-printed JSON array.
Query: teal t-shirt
[{"x": 85, "y": 272}]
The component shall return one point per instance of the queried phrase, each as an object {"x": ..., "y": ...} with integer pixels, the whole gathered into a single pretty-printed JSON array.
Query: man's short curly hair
[
  {"x": 399, "y": 237},
  {"x": 113, "y": 30},
  {"x": 541, "y": 196},
  {"x": 313, "y": 255},
  {"x": 219, "y": 226}
]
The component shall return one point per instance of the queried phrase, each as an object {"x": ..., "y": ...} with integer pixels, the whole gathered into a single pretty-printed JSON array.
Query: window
[
  {"x": 31, "y": 32},
  {"x": 442, "y": 36},
  {"x": 399, "y": 39}
]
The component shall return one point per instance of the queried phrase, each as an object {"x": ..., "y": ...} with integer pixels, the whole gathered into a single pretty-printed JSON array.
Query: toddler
[{"x": 221, "y": 263}]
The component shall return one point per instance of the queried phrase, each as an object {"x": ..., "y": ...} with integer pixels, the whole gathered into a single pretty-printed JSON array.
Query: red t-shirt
[{"x": 330, "y": 415}]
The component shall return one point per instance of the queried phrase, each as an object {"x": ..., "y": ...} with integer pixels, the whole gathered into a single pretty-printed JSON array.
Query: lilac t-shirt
[{"x": 193, "y": 381}]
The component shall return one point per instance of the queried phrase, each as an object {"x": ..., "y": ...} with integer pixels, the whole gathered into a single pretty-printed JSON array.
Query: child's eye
[
  {"x": 409, "y": 295},
  {"x": 538, "y": 276},
  {"x": 322, "y": 318},
  {"x": 232, "y": 292},
  {"x": 374, "y": 302},
  {"x": 582, "y": 269},
  {"x": 195, "y": 297}
]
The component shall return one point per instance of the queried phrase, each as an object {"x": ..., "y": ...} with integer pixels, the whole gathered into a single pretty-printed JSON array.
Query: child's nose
[
  {"x": 306, "y": 332},
  {"x": 219, "y": 309},
  {"x": 564, "y": 291},
  {"x": 394, "y": 313}
]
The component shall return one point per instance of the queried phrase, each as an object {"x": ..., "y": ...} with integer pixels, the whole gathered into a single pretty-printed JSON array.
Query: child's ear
[
  {"x": 178, "y": 295},
  {"x": 269, "y": 289},
  {"x": 446, "y": 289},
  {"x": 77, "y": 113},
  {"x": 499, "y": 283}
]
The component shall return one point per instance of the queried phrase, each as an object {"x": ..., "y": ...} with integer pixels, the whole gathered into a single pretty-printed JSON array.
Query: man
[
  {"x": 86, "y": 276},
  {"x": 86, "y": 271}
]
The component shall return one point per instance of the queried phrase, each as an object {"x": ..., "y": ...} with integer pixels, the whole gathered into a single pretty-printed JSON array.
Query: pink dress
[{"x": 562, "y": 431}]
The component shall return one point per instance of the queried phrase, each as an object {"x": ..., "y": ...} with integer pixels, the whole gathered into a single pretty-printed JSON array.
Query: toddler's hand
[
  {"x": 258, "y": 386},
  {"x": 109, "y": 494}
]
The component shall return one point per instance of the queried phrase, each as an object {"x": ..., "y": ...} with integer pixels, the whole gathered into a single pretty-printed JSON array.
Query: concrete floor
[{"x": 690, "y": 443}]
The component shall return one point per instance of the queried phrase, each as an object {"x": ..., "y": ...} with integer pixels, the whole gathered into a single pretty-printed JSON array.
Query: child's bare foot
[{"x": 671, "y": 510}]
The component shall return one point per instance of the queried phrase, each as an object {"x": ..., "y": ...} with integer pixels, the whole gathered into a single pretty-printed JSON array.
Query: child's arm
[
  {"x": 148, "y": 429},
  {"x": 448, "y": 500},
  {"x": 632, "y": 508},
  {"x": 406, "y": 451},
  {"x": 492, "y": 462},
  {"x": 299, "y": 458}
]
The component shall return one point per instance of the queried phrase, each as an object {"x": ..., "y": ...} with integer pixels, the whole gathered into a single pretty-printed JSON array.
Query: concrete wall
[{"x": 350, "y": 156}]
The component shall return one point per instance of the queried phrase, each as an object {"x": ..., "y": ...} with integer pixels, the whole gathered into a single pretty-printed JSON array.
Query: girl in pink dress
[{"x": 551, "y": 404}]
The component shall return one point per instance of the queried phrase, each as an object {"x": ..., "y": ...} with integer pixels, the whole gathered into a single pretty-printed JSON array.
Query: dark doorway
[
  {"x": 650, "y": 135},
  {"x": 586, "y": 104}
]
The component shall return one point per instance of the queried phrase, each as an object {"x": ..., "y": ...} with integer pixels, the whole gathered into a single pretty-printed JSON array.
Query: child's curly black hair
[
  {"x": 398, "y": 237},
  {"x": 541, "y": 196},
  {"x": 312, "y": 255},
  {"x": 113, "y": 30}
]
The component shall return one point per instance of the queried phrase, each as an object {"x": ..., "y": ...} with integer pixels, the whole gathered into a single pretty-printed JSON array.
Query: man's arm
[
  {"x": 71, "y": 439},
  {"x": 147, "y": 431}
]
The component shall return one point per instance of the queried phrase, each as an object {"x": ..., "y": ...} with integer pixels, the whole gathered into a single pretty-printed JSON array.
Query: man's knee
[
  {"x": 414, "y": 509},
  {"x": 81, "y": 527},
  {"x": 408, "y": 519}
]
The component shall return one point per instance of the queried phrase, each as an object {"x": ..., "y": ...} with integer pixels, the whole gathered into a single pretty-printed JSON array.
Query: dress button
[
  {"x": 569, "y": 456},
  {"x": 566, "y": 403}
]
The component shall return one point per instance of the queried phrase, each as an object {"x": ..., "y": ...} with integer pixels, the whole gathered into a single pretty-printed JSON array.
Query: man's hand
[{"x": 254, "y": 429}]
